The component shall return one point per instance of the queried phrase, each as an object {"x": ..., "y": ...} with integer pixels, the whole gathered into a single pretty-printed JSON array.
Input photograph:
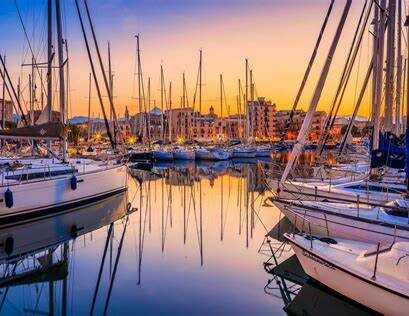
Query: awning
[{"x": 51, "y": 130}]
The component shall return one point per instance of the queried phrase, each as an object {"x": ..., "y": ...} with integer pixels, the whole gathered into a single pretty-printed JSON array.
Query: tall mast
[
  {"x": 183, "y": 125},
  {"x": 246, "y": 105},
  {"x": 379, "y": 75},
  {"x": 200, "y": 82},
  {"x": 61, "y": 73},
  {"x": 221, "y": 96},
  {"x": 49, "y": 58},
  {"x": 149, "y": 110},
  {"x": 407, "y": 108},
  {"x": 110, "y": 78},
  {"x": 398, "y": 129},
  {"x": 170, "y": 113},
  {"x": 251, "y": 86},
  {"x": 30, "y": 88},
  {"x": 240, "y": 112},
  {"x": 390, "y": 71},
  {"x": 3, "y": 102},
  {"x": 161, "y": 103},
  {"x": 139, "y": 87},
  {"x": 302, "y": 135},
  {"x": 375, "y": 60},
  {"x": 89, "y": 107}
]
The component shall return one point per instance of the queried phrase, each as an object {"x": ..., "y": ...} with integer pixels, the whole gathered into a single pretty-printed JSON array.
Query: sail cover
[{"x": 51, "y": 130}]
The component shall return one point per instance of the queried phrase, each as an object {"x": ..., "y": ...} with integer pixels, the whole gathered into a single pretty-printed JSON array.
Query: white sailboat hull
[
  {"x": 360, "y": 289},
  {"x": 49, "y": 196},
  {"x": 184, "y": 155},
  {"x": 337, "y": 190},
  {"x": 213, "y": 155},
  {"x": 35, "y": 235},
  {"x": 161, "y": 155},
  {"x": 243, "y": 154},
  {"x": 343, "y": 226}
]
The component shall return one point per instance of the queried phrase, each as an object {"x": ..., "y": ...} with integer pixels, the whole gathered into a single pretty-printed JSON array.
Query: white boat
[
  {"x": 162, "y": 155},
  {"x": 263, "y": 151},
  {"x": 20, "y": 239},
  {"x": 342, "y": 189},
  {"x": 349, "y": 221},
  {"x": 243, "y": 152},
  {"x": 374, "y": 277},
  {"x": 211, "y": 154},
  {"x": 88, "y": 182},
  {"x": 183, "y": 154}
]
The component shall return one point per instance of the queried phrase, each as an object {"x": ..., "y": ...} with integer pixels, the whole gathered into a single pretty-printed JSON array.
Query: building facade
[
  {"x": 262, "y": 119},
  {"x": 8, "y": 110}
]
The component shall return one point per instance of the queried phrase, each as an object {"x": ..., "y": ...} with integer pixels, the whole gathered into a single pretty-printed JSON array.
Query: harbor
[{"x": 139, "y": 175}]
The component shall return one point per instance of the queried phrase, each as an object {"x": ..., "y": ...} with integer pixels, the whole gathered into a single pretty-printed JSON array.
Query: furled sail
[{"x": 50, "y": 130}]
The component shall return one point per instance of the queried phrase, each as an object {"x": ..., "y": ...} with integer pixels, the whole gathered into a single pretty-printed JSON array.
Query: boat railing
[
  {"x": 22, "y": 174},
  {"x": 305, "y": 225}
]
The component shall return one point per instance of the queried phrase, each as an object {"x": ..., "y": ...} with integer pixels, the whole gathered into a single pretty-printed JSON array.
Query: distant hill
[{"x": 83, "y": 119}]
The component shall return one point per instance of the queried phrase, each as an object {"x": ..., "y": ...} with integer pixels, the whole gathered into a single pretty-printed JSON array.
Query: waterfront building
[
  {"x": 8, "y": 110},
  {"x": 262, "y": 119},
  {"x": 291, "y": 132}
]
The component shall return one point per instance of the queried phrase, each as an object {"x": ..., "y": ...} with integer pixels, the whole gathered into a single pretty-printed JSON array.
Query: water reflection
[{"x": 192, "y": 247}]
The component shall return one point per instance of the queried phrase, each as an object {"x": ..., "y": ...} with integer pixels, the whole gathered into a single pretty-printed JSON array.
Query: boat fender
[
  {"x": 74, "y": 231},
  {"x": 74, "y": 182},
  {"x": 8, "y": 197},
  {"x": 9, "y": 245}
]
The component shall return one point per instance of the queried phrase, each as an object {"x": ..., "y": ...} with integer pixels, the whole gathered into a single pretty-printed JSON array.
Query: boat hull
[
  {"x": 243, "y": 154},
  {"x": 40, "y": 233},
  {"x": 358, "y": 288},
  {"x": 50, "y": 196},
  {"x": 160, "y": 155},
  {"x": 211, "y": 155},
  {"x": 184, "y": 155},
  {"x": 320, "y": 193},
  {"x": 326, "y": 223}
]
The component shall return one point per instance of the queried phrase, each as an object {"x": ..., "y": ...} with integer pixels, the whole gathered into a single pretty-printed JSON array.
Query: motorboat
[
  {"x": 180, "y": 153},
  {"x": 374, "y": 275}
]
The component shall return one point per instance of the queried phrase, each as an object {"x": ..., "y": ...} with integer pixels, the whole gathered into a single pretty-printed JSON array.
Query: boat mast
[
  {"x": 239, "y": 109},
  {"x": 379, "y": 74},
  {"x": 375, "y": 59},
  {"x": 246, "y": 106},
  {"x": 407, "y": 110},
  {"x": 89, "y": 107},
  {"x": 3, "y": 102},
  {"x": 140, "y": 95},
  {"x": 49, "y": 62},
  {"x": 148, "y": 124},
  {"x": 161, "y": 104},
  {"x": 302, "y": 135},
  {"x": 221, "y": 104},
  {"x": 390, "y": 63},
  {"x": 200, "y": 82},
  {"x": 251, "y": 86},
  {"x": 398, "y": 129},
  {"x": 61, "y": 74},
  {"x": 110, "y": 78},
  {"x": 183, "y": 130},
  {"x": 170, "y": 113}
]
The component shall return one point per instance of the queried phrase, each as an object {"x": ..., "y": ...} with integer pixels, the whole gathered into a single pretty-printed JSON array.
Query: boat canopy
[{"x": 50, "y": 130}]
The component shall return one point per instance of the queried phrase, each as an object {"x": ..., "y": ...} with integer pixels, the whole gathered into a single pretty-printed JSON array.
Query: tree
[{"x": 74, "y": 134}]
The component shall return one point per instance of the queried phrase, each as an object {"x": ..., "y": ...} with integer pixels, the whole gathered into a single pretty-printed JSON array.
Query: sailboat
[
  {"x": 373, "y": 275},
  {"x": 65, "y": 183}
]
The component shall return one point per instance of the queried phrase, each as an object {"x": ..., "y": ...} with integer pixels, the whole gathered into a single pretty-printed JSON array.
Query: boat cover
[{"x": 50, "y": 130}]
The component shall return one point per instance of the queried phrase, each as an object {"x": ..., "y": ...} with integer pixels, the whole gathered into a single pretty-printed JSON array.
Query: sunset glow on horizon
[{"x": 276, "y": 36}]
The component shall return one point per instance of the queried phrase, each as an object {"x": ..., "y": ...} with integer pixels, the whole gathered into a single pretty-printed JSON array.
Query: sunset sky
[{"x": 277, "y": 36}]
